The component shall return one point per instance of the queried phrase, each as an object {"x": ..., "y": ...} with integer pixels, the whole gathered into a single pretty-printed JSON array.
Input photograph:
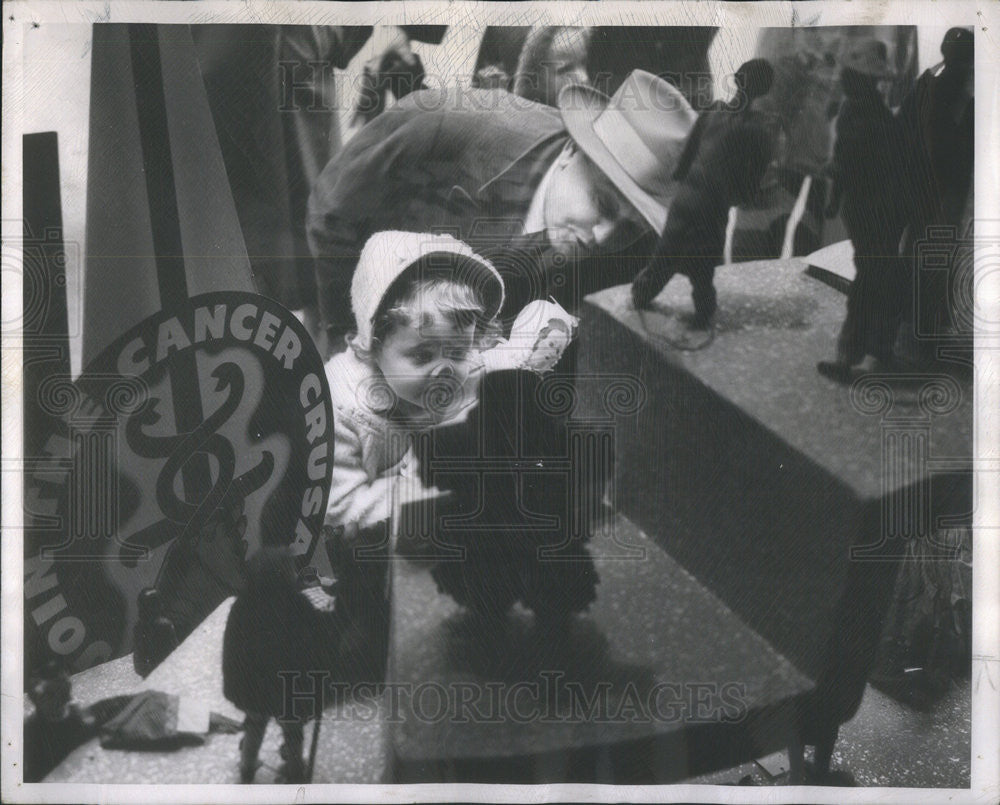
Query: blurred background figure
[
  {"x": 552, "y": 57},
  {"x": 499, "y": 50},
  {"x": 806, "y": 95},
  {"x": 273, "y": 94},
  {"x": 394, "y": 71},
  {"x": 867, "y": 184},
  {"x": 677, "y": 54},
  {"x": 938, "y": 120},
  {"x": 57, "y": 726},
  {"x": 535, "y": 63}
]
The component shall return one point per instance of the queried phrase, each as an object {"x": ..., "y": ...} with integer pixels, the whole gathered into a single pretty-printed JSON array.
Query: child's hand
[{"x": 412, "y": 492}]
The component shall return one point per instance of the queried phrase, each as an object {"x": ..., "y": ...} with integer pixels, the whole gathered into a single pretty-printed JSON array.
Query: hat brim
[{"x": 580, "y": 105}]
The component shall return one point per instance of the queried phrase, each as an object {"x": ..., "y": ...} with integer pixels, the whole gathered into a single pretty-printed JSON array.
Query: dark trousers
[
  {"x": 878, "y": 294},
  {"x": 255, "y": 725},
  {"x": 702, "y": 276}
]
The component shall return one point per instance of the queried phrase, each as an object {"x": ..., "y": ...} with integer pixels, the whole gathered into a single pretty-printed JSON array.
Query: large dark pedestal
[
  {"x": 678, "y": 683},
  {"x": 783, "y": 503},
  {"x": 789, "y": 496}
]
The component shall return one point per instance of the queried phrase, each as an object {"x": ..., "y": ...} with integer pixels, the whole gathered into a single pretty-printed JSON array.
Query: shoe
[
  {"x": 249, "y": 771},
  {"x": 831, "y": 777},
  {"x": 645, "y": 287},
  {"x": 840, "y": 372},
  {"x": 291, "y": 772}
]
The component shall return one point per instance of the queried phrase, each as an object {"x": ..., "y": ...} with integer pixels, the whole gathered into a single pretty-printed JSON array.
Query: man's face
[
  {"x": 582, "y": 208},
  {"x": 427, "y": 362}
]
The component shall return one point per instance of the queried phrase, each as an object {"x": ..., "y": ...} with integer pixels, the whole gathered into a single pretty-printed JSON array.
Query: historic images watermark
[
  {"x": 316, "y": 86},
  {"x": 550, "y": 698}
]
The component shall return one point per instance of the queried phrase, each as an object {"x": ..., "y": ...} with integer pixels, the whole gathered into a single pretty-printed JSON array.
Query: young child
[{"x": 426, "y": 307}]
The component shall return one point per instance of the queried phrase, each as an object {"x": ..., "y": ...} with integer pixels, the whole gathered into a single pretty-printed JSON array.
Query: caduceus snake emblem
[{"x": 125, "y": 569}]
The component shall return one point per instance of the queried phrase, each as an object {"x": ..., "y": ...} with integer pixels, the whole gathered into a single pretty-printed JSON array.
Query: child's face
[{"x": 426, "y": 362}]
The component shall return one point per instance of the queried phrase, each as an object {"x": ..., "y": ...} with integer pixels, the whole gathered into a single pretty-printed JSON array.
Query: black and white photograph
[{"x": 476, "y": 402}]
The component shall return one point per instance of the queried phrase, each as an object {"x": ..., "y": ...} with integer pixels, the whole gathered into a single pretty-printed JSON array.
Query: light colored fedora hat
[
  {"x": 869, "y": 57},
  {"x": 635, "y": 137}
]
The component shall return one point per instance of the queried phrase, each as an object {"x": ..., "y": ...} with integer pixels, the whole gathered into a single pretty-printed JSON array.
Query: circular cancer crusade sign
[{"x": 199, "y": 435}]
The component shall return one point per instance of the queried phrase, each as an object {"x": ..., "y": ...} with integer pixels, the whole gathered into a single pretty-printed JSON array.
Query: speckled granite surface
[
  {"x": 774, "y": 323},
  {"x": 890, "y": 745},
  {"x": 770, "y": 483},
  {"x": 350, "y": 750},
  {"x": 652, "y": 628}
]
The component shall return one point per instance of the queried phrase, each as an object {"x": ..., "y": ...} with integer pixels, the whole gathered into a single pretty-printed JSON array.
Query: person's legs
[
  {"x": 853, "y": 337},
  {"x": 294, "y": 768},
  {"x": 650, "y": 281},
  {"x": 703, "y": 293},
  {"x": 254, "y": 727},
  {"x": 879, "y": 292},
  {"x": 865, "y": 299}
]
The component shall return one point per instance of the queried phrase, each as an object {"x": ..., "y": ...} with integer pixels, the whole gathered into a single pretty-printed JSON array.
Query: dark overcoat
[
  {"x": 466, "y": 162},
  {"x": 273, "y": 632}
]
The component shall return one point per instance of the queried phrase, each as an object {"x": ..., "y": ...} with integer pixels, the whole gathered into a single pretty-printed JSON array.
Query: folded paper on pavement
[{"x": 156, "y": 720}]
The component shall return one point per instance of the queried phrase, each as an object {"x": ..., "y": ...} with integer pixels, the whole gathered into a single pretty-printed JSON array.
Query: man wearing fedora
[
  {"x": 867, "y": 188},
  {"x": 533, "y": 187}
]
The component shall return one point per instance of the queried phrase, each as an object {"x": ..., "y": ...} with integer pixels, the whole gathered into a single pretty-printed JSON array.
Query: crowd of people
[{"x": 895, "y": 175}]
